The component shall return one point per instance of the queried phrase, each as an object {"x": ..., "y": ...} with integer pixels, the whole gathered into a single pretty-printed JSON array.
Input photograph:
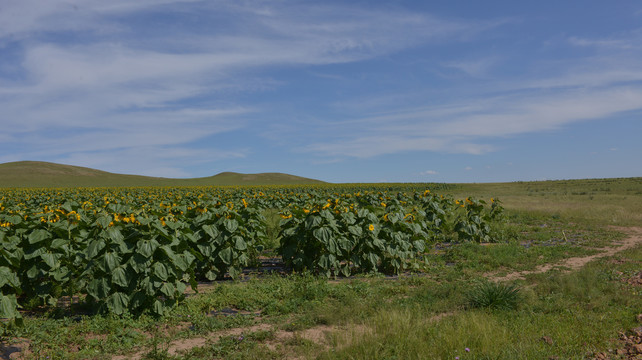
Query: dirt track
[{"x": 633, "y": 239}]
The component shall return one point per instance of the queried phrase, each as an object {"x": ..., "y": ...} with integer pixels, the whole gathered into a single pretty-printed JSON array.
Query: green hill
[{"x": 46, "y": 174}]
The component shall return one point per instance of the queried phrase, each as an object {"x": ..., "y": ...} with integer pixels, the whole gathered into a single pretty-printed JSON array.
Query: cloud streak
[
  {"x": 591, "y": 88},
  {"x": 89, "y": 75}
]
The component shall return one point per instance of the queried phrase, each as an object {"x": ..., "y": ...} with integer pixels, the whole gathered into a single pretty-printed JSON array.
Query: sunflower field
[{"x": 135, "y": 250}]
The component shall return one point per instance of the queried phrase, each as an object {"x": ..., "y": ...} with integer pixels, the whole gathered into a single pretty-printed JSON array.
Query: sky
[{"x": 341, "y": 91}]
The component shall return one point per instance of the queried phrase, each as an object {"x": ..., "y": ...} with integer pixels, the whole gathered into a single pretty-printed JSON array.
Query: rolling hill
[{"x": 46, "y": 174}]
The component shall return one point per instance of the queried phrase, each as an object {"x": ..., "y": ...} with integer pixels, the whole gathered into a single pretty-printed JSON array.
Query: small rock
[
  {"x": 637, "y": 331},
  {"x": 547, "y": 339},
  {"x": 621, "y": 351},
  {"x": 637, "y": 348}
]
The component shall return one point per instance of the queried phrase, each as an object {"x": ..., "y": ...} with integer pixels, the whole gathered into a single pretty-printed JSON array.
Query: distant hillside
[{"x": 46, "y": 174}]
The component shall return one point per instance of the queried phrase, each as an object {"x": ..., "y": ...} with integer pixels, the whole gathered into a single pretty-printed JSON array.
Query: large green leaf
[
  {"x": 419, "y": 246},
  {"x": 323, "y": 234},
  {"x": 158, "y": 307},
  {"x": 313, "y": 221},
  {"x": 324, "y": 262},
  {"x": 234, "y": 272},
  {"x": 230, "y": 225},
  {"x": 114, "y": 234},
  {"x": 99, "y": 289},
  {"x": 148, "y": 286},
  {"x": 355, "y": 230},
  {"x": 226, "y": 255},
  {"x": 139, "y": 263},
  {"x": 211, "y": 275},
  {"x": 239, "y": 243},
  {"x": 94, "y": 247},
  {"x": 184, "y": 261},
  {"x": 332, "y": 246},
  {"x": 8, "y": 277},
  {"x": 61, "y": 274},
  {"x": 168, "y": 289},
  {"x": 168, "y": 252},
  {"x": 147, "y": 247},
  {"x": 51, "y": 260},
  {"x": 119, "y": 277},
  {"x": 59, "y": 243},
  {"x": 104, "y": 221},
  {"x": 39, "y": 235},
  {"x": 111, "y": 260},
  {"x": 373, "y": 259},
  {"x": 8, "y": 307},
  {"x": 118, "y": 303},
  {"x": 33, "y": 272},
  {"x": 35, "y": 252},
  {"x": 160, "y": 271},
  {"x": 206, "y": 250}
]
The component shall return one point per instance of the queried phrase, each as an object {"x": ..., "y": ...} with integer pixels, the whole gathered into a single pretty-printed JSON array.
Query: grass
[
  {"x": 410, "y": 317},
  {"x": 592, "y": 201},
  {"x": 563, "y": 308},
  {"x": 494, "y": 295},
  {"x": 396, "y": 317}
]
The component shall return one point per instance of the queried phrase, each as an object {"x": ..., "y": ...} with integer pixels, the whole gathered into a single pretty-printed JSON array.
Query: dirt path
[
  {"x": 634, "y": 238},
  {"x": 316, "y": 335},
  {"x": 176, "y": 347}
]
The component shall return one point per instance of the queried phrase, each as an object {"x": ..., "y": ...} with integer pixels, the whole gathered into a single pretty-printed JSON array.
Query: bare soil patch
[
  {"x": 18, "y": 349},
  {"x": 178, "y": 346}
]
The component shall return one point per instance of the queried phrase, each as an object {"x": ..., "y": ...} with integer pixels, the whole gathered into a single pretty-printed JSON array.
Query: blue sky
[{"x": 342, "y": 91}]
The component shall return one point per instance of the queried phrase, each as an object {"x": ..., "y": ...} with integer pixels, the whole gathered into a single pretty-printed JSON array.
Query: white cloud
[
  {"x": 464, "y": 127},
  {"x": 602, "y": 43},
  {"x": 428, "y": 172},
  {"x": 87, "y": 75},
  {"x": 478, "y": 68},
  {"x": 591, "y": 88}
]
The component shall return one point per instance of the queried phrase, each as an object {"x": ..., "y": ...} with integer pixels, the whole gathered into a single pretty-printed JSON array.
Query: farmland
[{"x": 364, "y": 270}]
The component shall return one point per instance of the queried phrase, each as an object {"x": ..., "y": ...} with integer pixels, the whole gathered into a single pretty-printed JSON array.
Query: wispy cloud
[
  {"x": 104, "y": 80},
  {"x": 178, "y": 81},
  {"x": 456, "y": 128},
  {"x": 590, "y": 88},
  {"x": 478, "y": 68}
]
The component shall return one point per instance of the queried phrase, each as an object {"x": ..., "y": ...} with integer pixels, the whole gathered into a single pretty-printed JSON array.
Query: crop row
[{"x": 136, "y": 250}]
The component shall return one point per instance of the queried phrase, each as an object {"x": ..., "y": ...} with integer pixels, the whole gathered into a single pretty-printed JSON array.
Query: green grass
[
  {"x": 494, "y": 295},
  {"x": 590, "y": 201},
  {"x": 564, "y": 308}
]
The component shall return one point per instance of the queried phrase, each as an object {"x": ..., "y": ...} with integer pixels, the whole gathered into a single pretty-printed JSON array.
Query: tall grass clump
[{"x": 494, "y": 295}]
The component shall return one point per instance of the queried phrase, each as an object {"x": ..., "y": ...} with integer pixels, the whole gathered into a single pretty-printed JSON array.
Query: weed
[{"x": 494, "y": 295}]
